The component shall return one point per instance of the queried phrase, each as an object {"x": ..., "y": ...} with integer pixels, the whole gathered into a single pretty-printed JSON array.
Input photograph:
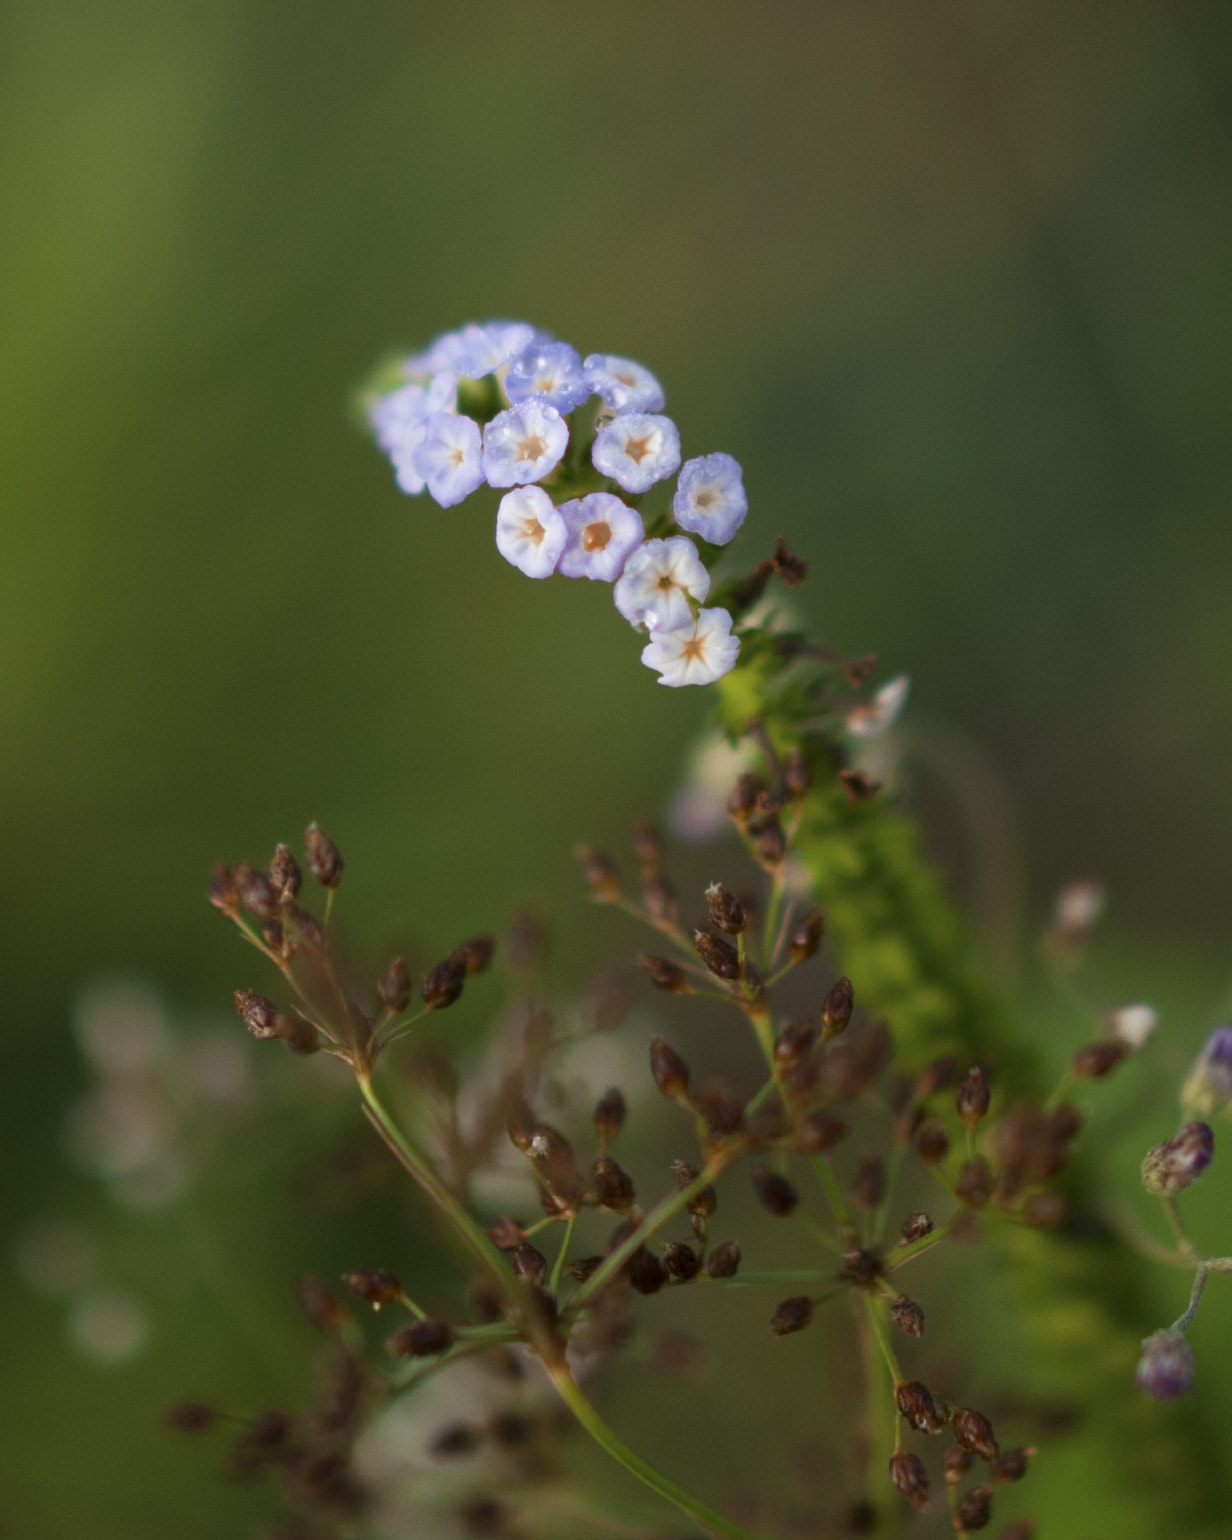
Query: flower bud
[
  {"x": 744, "y": 795},
  {"x": 422, "y": 1339},
  {"x": 805, "y": 936},
  {"x": 718, "y": 956},
  {"x": 770, "y": 844},
  {"x": 255, "y": 891},
  {"x": 443, "y": 985},
  {"x": 610, "y": 1116},
  {"x": 907, "y": 1316},
  {"x": 792, "y": 1315},
  {"x": 836, "y": 1009},
  {"x": 324, "y": 857},
  {"x": 1209, "y": 1085},
  {"x": 613, "y": 1186},
  {"x": 300, "y": 1036},
  {"x": 599, "y": 873},
  {"x": 668, "y": 976},
  {"x": 794, "y": 1043},
  {"x": 916, "y": 1227},
  {"x": 394, "y": 988},
  {"x": 726, "y": 911},
  {"x": 974, "y": 1431},
  {"x": 318, "y": 1304},
  {"x": 223, "y": 893},
  {"x": 936, "y": 1076},
  {"x": 820, "y": 1132},
  {"x": 529, "y": 1263},
  {"x": 973, "y": 1096},
  {"x": 477, "y": 954},
  {"x": 1165, "y": 1366},
  {"x": 774, "y": 1192},
  {"x": 914, "y": 1401},
  {"x": 702, "y": 1204},
  {"x": 377, "y": 1286},
  {"x": 671, "y": 1073},
  {"x": 909, "y": 1476},
  {"x": 261, "y": 1016},
  {"x": 1011, "y": 1465},
  {"x": 681, "y": 1261},
  {"x": 796, "y": 778},
  {"x": 932, "y": 1143},
  {"x": 284, "y": 874},
  {"x": 1171, "y": 1166},
  {"x": 868, "y": 1185},
  {"x": 658, "y": 898},
  {"x": 861, "y": 1267},
  {"x": 957, "y": 1462},
  {"x": 584, "y": 1268},
  {"x": 975, "y": 1182},
  {"x": 724, "y": 1260},
  {"x": 975, "y": 1509},
  {"x": 1095, "y": 1060},
  {"x": 646, "y": 1273}
]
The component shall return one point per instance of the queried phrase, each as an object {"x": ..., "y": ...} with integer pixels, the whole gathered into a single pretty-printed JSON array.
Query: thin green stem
[
  {"x": 761, "y": 1097},
  {"x": 872, "y": 1308},
  {"x": 393, "y": 1030},
  {"x": 559, "y": 1266},
  {"x": 833, "y": 1192},
  {"x": 912, "y": 1249},
  {"x": 1179, "y": 1228},
  {"x": 789, "y": 1275},
  {"x": 1184, "y": 1322},
  {"x": 706, "y": 1518},
  {"x": 466, "y": 1348}
]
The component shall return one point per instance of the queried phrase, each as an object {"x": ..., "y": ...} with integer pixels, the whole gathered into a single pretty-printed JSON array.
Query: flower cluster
[{"x": 574, "y": 444}]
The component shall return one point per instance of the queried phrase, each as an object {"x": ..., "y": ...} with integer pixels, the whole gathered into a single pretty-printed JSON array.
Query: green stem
[
  {"x": 872, "y": 1309},
  {"x": 902, "y": 1254},
  {"x": 562, "y": 1254},
  {"x": 705, "y": 1517},
  {"x": 790, "y": 1275},
  {"x": 833, "y": 1192},
  {"x": 1184, "y": 1322}
]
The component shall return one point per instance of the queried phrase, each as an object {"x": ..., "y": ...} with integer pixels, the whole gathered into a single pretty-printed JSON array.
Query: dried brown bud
[
  {"x": 477, "y": 954},
  {"x": 975, "y": 1182},
  {"x": 505, "y": 1234},
  {"x": 770, "y": 844},
  {"x": 681, "y": 1261},
  {"x": 820, "y": 1132},
  {"x": 599, "y": 873},
  {"x": 377, "y": 1286},
  {"x": 223, "y": 892},
  {"x": 190, "y": 1417},
  {"x": 957, "y": 1462},
  {"x": 722, "y": 1112},
  {"x": 443, "y": 985},
  {"x": 584, "y": 1268},
  {"x": 318, "y": 1304},
  {"x": 794, "y": 1042},
  {"x": 973, "y": 1096},
  {"x": 744, "y": 795},
  {"x": 975, "y": 1510},
  {"x": 774, "y": 1192},
  {"x": 665, "y": 975},
  {"x": 521, "y": 1125},
  {"x": 796, "y": 778},
  {"x": 659, "y": 898},
  {"x": 610, "y": 1116},
  {"x": 648, "y": 848},
  {"x": 702, "y": 1204},
  {"x": 671, "y": 1073},
  {"x": 932, "y": 1143},
  {"x": 614, "y": 1187},
  {"x": 868, "y": 1186},
  {"x": 255, "y": 891},
  {"x": 936, "y": 1076},
  {"x": 261, "y": 1016},
  {"x": 909, "y": 1476},
  {"x": 324, "y": 857},
  {"x": 724, "y": 1260},
  {"x": 284, "y": 873},
  {"x": 914, "y": 1401},
  {"x": 556, "y": 1166},
  {"x": 1044, "y": 1210},
  {"x": 974, "y": 1431},
  {"x": 861, "y": 1267},
  {"x": 805, "y": 936},
  {"x": 1012, "y": 1465},
  {"x": 1095, "y": 1060},
  {"x": 646, "y": 1273},
  {"x": 907, "y": 1316},
  {"x": 916, "y": 1227},
  {"x": 836, "y": 1009},
  {"x": 394, "y": 987},
  {"x": 718, "y": 956},
  {"x": 456, "y": 1440},
  {"x": 529, "y": 1263},
  {"x": 792, "y": 1315},
  {"x": 726, "y": 910},
  {"x": 422, "y": 1339}
]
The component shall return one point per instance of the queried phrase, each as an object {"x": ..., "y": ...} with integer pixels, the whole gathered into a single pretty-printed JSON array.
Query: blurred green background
[{"x": 952, "y": 282}]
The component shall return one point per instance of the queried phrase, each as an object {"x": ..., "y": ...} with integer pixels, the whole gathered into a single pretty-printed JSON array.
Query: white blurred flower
[
  {"x": 110, "y": 1328},
  {"x": 881, "y": 713},
  {"x": 698, "y": 811},
  {"x": 121, "y": 1026},
  {"x": 1132, "y": 1024}
]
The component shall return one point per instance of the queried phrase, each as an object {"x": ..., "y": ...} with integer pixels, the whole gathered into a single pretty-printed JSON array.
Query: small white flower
[
  {"x": 524, "y": 443},
  {"x": 883, "y": 710},
  {"x": 636, "y": 450},
  {"x": 397, "y": 419},
  {"x": 530, "y": 533},
  {"x": 602, "y": 532},
  {"x": 1132, "y": 1024},
  {"x": 710, "y": 499},
  {"x": 447, "y": 457},
  {"x": 623, "y": 385},
  {"x": 658, "y": 580},
  {"x": 1079, "y": 905},
  {"x": 699, "y": 654},
  {"x": 475, "y": 350}
]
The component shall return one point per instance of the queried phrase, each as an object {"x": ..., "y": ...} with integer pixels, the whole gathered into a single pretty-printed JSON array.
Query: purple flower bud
[
  {"x": 1209, "y": 1086},
  {"x": 1166, "y": 1366},
  {"x": 1171, "y": 1166}
]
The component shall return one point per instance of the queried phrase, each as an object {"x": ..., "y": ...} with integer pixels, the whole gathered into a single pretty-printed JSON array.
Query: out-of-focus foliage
[{"x": 952, "y": 285}]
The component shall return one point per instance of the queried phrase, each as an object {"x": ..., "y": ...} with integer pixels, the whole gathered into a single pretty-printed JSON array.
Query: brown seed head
[
  {"x": 909, "y": 1476},
  {"x": 796, "y": 778},
  {"x": 975, "y": 1182},
  {"x": 681, "y": 1261},
  {"x": 717, "y": 954},
  {"x": 668, "y": 976},
  {"x": 794, "y": 1043},
  {"x": 774, "y": 1192},
  {"x": 599, "y": 874},
  {"x": 324, "y": 857},
  {"x": 936, "y": 1076},
  {"x": 610, "y": 1116},
  {"x": 770, "y": 844},
  {"x": 659, "y": 897},
  {"x": 261, "y": 1016},
  {"x": 974, "y": 1431},
  {"x": 915, "y": 1403},
  {"x": 907, "y": 1316},
  {"x": 529, "y": 1262},
  {"x": 744, "y": 795},
  {"x": 1011, "y": 1465},
  {"x": 477, "y": 954},
  {"x": 671, "y": 1073},
  {"x": 376, "y": 1285},
  {"x": 613, "y": 1186},
  {"x": 973, "y": 1096},
  {"x": 975, "y": 1510},
  {"x": 861, "y": 1267},
  {"x": 284, "y": 874},
  {"x": 957, "y": 1462},
  {"x": 702, "y": 1204},
  {"x": 726, "y": 910},
  {"x": 319, "y": 1305},
  {"x": 932, "y": 1143},
  {"x": 443, "y": 985},
  {"x": 868, "y": 1185},
  {"x": 422, "y": 1339},
  {"x": 836, "y": 1008},
  {"x": 646, "y": 1273},
  {"x": 805, "y": 936},
  {"x": 724, "y": 1260},
  {"x": 648, "y": 846},
  {"x": 255, "y": 892},
  {"x": 1095, "y": 1060},
  {"x": 1044, "y": 1210},
  {"x": 792, "y": 1315},
  {"x": 223, "y": 891},
  {"x": 916, "y": 1227},
  {"x": 584, "y": 1268},
  {"x": 394, "y": 987},
  {"x": 819, "y": 1132}
]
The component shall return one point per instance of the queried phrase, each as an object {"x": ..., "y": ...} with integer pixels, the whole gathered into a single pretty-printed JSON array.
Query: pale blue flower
[
  {"x": 448, "y": 457},
  {"x": 659, "y": 579},
  {"x": 602, "y": 532},
  {"x": 623, "y": 385},
  {"x": 530, "y": 532},
  {"x": 474, "y": 351},
  {"x": 636, "y": 450},
  {"x": 524, "y": 443},
  {"x": 710, "y": 499},
  {"x": 552, "y": 370},
  {"x": 1209, "y": 1086},
  {"x": 696, "y": 654}
]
